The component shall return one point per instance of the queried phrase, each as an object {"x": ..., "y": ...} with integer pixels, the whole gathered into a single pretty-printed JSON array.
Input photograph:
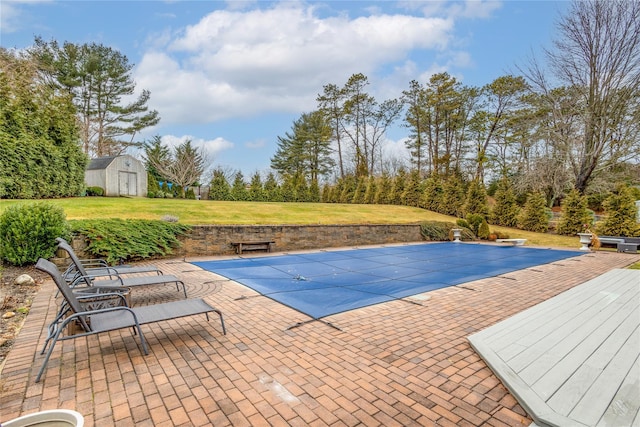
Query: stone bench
[
  {"x": 253, "y": 245},
  {"x": 514, "y": 242}
]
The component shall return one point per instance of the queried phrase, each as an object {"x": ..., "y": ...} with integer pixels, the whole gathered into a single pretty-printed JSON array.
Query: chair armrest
[{"x": 89, "y": 279}]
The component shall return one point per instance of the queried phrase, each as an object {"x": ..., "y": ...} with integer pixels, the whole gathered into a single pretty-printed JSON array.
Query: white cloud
[
  {"x": 12, "y": 14},
  {"x": 211, "y": 148},
  {"x": 246, "y": 62}
]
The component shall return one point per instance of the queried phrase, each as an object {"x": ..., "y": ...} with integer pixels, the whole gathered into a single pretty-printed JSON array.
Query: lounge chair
[
  {"x": 95, "y": 321},
  {"x": 110, "y": 277},
  {"x": 98, "y": 266}
]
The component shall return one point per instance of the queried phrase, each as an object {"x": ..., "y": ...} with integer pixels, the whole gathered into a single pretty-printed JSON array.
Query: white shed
[{"x": 117, "y": 176}]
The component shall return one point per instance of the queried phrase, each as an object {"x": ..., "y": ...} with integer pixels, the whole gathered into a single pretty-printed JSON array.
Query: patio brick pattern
[{"x": 401, "y": 363}]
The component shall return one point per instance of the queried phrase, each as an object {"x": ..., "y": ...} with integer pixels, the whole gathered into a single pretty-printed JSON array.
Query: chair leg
[
  {"x": 224, "y": 330},
  {"x": 48, "y": 355},
  {"x": 184, "y": 288}
]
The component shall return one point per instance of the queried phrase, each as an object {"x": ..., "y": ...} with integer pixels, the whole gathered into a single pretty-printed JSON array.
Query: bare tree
[
  {"x": 597, "y": 59},
  {"x": 183, "y": 167}
]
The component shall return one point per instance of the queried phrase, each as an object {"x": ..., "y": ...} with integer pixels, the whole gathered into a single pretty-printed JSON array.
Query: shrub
[
  {"x": 95, "y": 191},
  {"x": 476, "y": 200},
  {"x": 483, "y": 230},
  {"x": 506, "y": 210},
  {"x": 534, "y": 216},
  {"x": 128, "y": 239},
  {"x": 474, "y": 221},
  {"x": 28, "y": 232},
  {"x": 621, "y": 214},
  {"x": 575, "y": 214},
  {"x": 440, "y": 231}
]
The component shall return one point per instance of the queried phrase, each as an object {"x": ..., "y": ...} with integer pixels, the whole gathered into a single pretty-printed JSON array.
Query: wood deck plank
[
  {"x": 593, "y": 353},
  {"x": 527, "y": 321},
  {"x": 625, "y": 411},
  {"x": 574, "y": 359},
  {"x": 596, "y": 401},
  {"x": 563, "y": 323},
  {"x": 587, "y": 332}
]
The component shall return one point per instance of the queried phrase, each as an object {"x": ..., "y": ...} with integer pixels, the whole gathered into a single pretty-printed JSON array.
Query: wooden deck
[{"x": 573, "y": 360}]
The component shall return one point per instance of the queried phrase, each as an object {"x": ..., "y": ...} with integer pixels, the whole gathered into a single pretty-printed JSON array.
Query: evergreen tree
[
  {"x": 483, "y": 231},
  {"x": 383, "y": 192},
  {"x": 476, "y": 201},
  {"x": 399, "y": 183},
  {"x": 534, "y": 216},
  {"x": 370, "y": 192},
  {"x": 621, "y": 214},
  {"x": 454, "y": 196},
  {"x": 39, "y": 152},
  {"x": 301, "y": 189},
  {"x": 99, "y": 79},
  {"x": 288, "y": 189},
  {"x": 272, "y": 189},
  {"x": 433, "y": 195},
  {"x": 348, "y": 189},
  {"x": 506, "y": 210},
  {"x": 358, "y": 195},
  {"x": 314, "y": 191},
  {"x": 256, "y": 190},
  {"x": 413, "y": 190},
  {"x": 326, "y": 194},
  {"x": 306, "y": 149},
  {"x": 575, "y": 214},
  {"x": 239, "y": 188},
  {"x": 219, "y": 189}
]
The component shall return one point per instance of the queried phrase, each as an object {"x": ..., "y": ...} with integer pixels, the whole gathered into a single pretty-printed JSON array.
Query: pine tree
[
  {"x": 453, "y": 197},
  {"x": 383, "y": 192},
  {"x": 506, "y": 210},
  {"x": 575, "y": 214},
  {"x": 288, "y": 189},
  {"x": 220, "y": 189},
  {"x": 239, "y": 188},
  {"x": 399, "y": 183},
  {"x": 272, "y": 189},
  {"x": 370, "y": 192},
  {"x": 348, "y": 189},
  {"x": 314, "y": 191},
  {"x": 621, "y": 214},
  {"x": 256, "y": 190},
  {"x": 413, "y": 190},
  {"x": 534, "y": 216},
  {"x": 476, "y": 201},
  {"x": 432, "y": 195},
  {"x": 358, "y": 195}
]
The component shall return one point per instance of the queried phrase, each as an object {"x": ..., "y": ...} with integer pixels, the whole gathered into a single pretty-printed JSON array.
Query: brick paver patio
[{"x": 400, "y": 363}]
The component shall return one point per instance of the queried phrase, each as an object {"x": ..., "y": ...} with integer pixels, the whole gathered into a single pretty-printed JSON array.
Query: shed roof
[{"x": 100, "y": 162}]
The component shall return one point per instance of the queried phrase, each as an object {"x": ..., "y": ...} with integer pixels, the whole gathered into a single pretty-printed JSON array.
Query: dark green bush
[
  {"x": 28, "y": 232},
  {"x": 575, "y": 214},
  {"x": 534, "y": 216},
  {"x": 95, "y": 191},
  {"x": 440, "y": 231},
  {"x": 483, "y": 230},
  {"x": 128, "y": 239},
  {"x": 621, "y": 214},
  {"x": 474, "y": 221}
]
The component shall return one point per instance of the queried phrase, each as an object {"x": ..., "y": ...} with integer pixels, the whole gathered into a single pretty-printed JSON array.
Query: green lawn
[{"x": 200, "y": 212}]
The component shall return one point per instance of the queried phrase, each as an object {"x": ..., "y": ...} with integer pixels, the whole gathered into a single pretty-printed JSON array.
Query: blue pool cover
[{"x": 323, "y": 283}]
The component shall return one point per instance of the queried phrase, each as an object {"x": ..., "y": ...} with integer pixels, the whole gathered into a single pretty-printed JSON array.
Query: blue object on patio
[{"x": 323, "y": 283}]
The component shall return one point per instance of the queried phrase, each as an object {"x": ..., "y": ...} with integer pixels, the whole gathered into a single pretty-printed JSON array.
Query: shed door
[{"x": 127, "y": 183}]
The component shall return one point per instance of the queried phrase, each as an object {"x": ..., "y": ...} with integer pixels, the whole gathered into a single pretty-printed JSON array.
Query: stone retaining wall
[
  {"x": 205, "y": 240},
  {"x": 217, "y": 239}
]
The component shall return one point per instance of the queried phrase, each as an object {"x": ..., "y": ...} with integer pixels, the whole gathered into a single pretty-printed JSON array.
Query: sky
[{"x": 232, "y": 76}]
